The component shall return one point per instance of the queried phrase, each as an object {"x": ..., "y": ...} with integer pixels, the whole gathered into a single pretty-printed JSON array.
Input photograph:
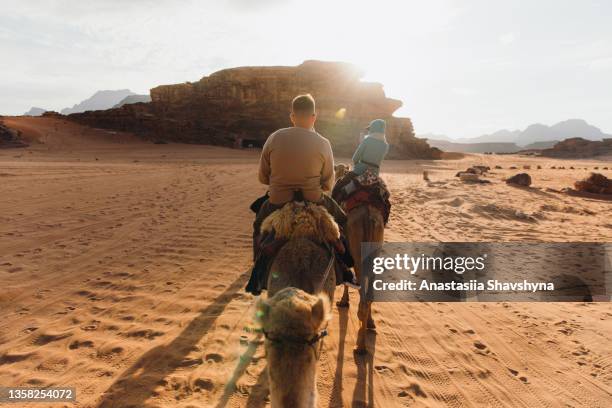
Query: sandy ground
[{"x": 123, "y": 264}]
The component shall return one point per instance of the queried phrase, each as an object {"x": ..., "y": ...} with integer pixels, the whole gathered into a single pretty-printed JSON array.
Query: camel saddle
[
  {"x": 353, "y": 190},
  {"x": 270, "y": 242}
]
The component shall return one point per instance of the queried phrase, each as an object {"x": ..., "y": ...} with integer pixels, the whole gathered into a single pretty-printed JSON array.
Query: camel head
[
  {"x": 341, "y": 169},
  {"x": 292, "y": 321}
]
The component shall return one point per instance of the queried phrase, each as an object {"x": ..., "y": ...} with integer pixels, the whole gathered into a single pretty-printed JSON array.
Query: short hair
[{"x": 303, "y": 105}]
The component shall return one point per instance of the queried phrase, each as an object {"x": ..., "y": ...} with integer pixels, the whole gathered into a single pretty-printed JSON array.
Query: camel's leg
[
  {"x": 362, "y": 315},
  {"x": 370, "y": 324},
  {"x": 344, "y": 301}
]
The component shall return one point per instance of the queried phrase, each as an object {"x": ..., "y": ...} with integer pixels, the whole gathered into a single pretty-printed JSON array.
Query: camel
[
  {"x": 301, "y": 286},
  {"x": 364, "y": 224}
]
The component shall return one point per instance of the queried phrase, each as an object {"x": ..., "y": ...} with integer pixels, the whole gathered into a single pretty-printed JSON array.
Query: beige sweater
[{"x": 296, "y": 158}]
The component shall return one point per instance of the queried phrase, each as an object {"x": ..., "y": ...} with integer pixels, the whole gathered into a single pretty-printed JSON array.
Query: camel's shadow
[
  {"x": 363, "y": 395},
  {"x": 137, "y": 383},
  {"x": 336, "y": 395}
]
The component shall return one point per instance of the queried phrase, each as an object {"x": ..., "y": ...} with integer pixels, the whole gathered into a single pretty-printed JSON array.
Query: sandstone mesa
[{"x": 244, "y": 105}]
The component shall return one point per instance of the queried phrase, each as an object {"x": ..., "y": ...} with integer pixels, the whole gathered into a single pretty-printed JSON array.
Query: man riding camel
[{"x": 296, "y": 162}]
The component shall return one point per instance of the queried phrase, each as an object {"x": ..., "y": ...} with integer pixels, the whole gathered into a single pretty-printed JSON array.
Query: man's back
[{"x": 296, "y": 158}]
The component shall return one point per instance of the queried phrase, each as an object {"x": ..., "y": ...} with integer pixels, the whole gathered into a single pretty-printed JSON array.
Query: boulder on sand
[
  {"x": 521, "y": 179},
  {"x": 596, "y": 183},
  {"x": 468, "y": 176},
  {"x": 473, "y": 170},
  {"x": 483, "y": 169},
  {"x": 472, "y": 178}
]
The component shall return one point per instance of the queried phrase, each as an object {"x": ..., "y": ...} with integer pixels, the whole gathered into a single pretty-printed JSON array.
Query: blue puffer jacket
[{"x": 370, "y": 154}]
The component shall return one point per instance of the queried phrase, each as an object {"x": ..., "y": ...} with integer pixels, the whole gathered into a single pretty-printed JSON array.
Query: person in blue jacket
[{"x": 372, "y": 149}]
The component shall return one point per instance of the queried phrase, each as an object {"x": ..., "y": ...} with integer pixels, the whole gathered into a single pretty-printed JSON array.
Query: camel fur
[
  {"x": 292, "y": 364},
  {"x": 295, "y": 220},
  {"x": 341, "y": 169},
  {"x": 300, "y": 289}
]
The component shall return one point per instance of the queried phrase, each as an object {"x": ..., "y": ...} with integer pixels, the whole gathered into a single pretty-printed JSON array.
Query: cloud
[
  {"x": 463, "y": 91},
  {"x": 508, "y": 38},
  {"x": 600, "y": 64},
  {"x": 253, "y": 5}
]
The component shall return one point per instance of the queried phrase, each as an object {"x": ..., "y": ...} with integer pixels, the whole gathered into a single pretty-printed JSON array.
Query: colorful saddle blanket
[{"x": 354, "y": 190}]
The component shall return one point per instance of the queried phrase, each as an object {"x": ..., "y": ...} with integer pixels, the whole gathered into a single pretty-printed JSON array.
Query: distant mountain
[
  {"x": 542, "y": 133},
  {"x": 101, "y": 100},
  {"x": 133, "y": 99},
  {"x": 501, "y": 136},
  {"x": 561, "y": 131},
  {"x": 473, "y": 147},
  {"x": 34, "y": 111},
  {"x": 433, "y": 136},
  {"x": 533, "y": 134}
]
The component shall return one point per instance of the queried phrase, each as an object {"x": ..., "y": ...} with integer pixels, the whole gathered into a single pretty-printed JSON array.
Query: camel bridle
[{"x": 297, "y": 341}]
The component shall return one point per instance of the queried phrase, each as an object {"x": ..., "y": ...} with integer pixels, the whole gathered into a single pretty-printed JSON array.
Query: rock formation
[
  {"x": 596, "y": 183},
  {"x": 474, "y": 170},
  {"x": 10, "y": 138},
  {"x": 244, "y": 105},
  {"x": 133, "y": 99},
  {"x": 521, "y": 179},
  {"x": 579, "y": 148}
]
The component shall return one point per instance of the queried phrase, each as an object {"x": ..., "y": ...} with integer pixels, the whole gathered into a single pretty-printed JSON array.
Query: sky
[{"x": 462, "y": 67}]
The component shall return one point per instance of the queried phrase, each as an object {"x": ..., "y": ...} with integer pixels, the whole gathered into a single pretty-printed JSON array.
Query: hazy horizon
[{"x": 462, "y": 69}]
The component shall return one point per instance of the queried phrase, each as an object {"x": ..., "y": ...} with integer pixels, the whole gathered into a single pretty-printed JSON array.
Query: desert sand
[{"x": 123, "y": 265}]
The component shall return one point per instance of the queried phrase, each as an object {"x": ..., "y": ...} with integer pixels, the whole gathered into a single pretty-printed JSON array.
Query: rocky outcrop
[
  {"x": 521, "y": 179},
  {"x": 579, "y": 148},
  {"x": 474, "y": 170},
  {"x": 133, "y": 99},
  {"x": 596, "y": 183},
  {"x": 244, "y": 105},
  {"x": 10, "y": 138},
  {"x": 53, "y": 114}
]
